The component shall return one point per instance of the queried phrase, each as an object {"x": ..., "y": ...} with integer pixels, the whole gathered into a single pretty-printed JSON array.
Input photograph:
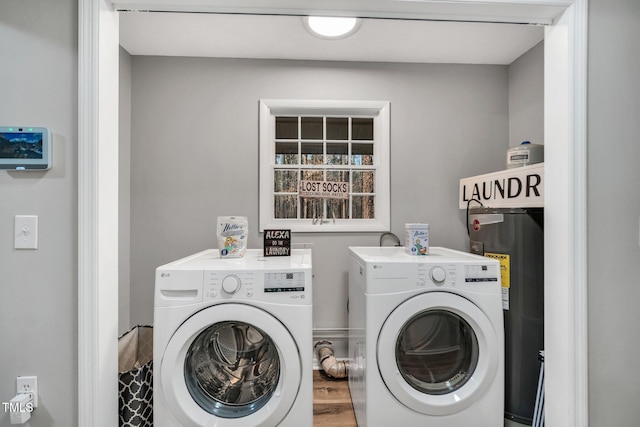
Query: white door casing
[{"x": 565, "y": 204}]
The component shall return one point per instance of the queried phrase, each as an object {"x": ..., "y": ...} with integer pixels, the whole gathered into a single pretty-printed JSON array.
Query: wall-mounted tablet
[{"x": 25, "y": 148}]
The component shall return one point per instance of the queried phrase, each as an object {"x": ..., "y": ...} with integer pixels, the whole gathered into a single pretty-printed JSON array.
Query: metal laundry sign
[{"x": 512, "y": 188}]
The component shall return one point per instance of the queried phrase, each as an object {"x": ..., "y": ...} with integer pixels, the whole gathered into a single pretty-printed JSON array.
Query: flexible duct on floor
[{"x": 330, "y": 365}]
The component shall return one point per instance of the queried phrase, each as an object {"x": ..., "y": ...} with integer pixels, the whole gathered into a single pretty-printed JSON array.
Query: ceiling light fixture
[{"x": 331, "y": 27}]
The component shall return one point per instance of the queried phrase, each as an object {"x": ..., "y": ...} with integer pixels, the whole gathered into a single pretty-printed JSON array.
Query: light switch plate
[{"x": 26, "y": 232}]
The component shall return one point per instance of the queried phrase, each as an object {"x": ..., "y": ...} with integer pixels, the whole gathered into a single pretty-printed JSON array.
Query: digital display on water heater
[{"x": 292, "y": 281}]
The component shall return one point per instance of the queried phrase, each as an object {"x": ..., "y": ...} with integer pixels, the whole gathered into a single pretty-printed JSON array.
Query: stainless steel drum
[{"x": 232, "y": 369}]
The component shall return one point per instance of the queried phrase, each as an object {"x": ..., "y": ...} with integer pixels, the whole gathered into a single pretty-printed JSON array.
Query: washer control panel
[
  {"x": 246, "y": 284},
  {"x": 437, "y": 274},
  {"x": 451, "y": 274},
  {"x": 231, "y": 284},
  {"x": 219, "y": 284},
  {"x": 292, "y": 281}
]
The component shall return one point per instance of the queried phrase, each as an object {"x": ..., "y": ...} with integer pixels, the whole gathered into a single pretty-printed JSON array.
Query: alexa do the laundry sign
[
  {"x": 324, "y": 189},
  {"x": 512, "y": 188},
  {"x": 277, "y": 243}
]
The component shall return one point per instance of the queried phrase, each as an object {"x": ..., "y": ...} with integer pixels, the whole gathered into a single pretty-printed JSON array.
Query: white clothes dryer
[
  {"x": 233, "y": 341},
  {"x": 426, "y": 343}
]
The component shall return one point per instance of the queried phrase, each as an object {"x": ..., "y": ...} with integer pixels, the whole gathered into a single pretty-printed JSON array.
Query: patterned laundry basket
[{"x": 135, "y": 377}]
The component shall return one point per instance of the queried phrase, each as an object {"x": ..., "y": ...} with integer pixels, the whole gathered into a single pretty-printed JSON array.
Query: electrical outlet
[{"x": 28, "y": 384}]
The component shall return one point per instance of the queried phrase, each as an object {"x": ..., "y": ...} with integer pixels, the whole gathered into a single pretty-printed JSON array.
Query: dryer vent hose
[{"x": 330, "y": 365}]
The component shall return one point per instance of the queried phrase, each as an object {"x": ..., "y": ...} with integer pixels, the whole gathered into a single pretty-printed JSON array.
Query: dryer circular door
[
  {"x": 231, "y": 365},
  {"x": 437, "y": 353}
]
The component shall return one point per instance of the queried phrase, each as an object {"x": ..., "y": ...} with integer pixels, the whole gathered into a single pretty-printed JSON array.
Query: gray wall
[
  {"x": 613, "y": 212},
  {"x": 48, "y": 346},
  {"x": 195, "y": 154},
  {"x": 38, "y": 291},
  {"x": 526, "y": 97}
]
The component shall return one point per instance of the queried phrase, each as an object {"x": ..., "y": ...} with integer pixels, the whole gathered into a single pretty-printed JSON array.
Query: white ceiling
[{"x": 285, "y": 37}]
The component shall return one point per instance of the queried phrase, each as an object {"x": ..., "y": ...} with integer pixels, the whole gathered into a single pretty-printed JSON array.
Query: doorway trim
[{"x": 565, "y": 205}]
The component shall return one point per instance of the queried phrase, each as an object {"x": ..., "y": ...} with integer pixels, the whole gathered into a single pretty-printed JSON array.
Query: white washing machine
[
  {"x": 233, "y": 341},
  {"x": 426, "y": 343}
]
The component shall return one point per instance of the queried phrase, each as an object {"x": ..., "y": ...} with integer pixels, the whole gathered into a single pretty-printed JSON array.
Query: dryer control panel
[
  {"x": 481, "y": 273},
  {"x": 436, "y": 274}
]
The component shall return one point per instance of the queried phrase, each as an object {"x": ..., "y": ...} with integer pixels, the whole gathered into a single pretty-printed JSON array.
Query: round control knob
[
  {"x": 231, "y": 284},
  {"x": 438, "y": 274}
]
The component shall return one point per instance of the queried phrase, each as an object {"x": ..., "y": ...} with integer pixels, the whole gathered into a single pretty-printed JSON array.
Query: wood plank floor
[{"x": 331, "y": 402}]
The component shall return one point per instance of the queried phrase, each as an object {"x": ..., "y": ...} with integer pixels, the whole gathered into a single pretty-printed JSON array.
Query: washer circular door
[
  {"x": 437, "y": 353},
  {"x": 231, "y": 365}
]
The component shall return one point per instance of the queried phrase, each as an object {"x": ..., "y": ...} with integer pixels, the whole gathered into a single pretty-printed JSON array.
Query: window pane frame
[{"x": 378, "y": 112}]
